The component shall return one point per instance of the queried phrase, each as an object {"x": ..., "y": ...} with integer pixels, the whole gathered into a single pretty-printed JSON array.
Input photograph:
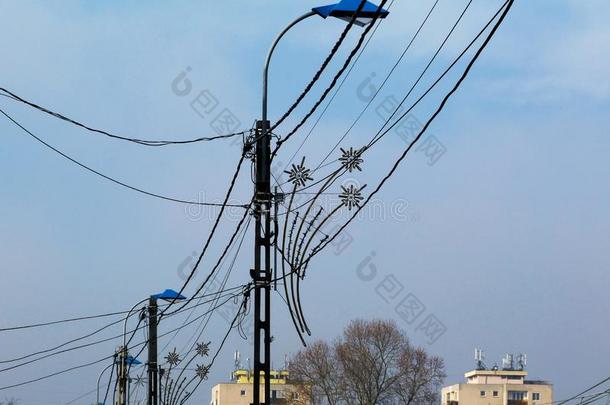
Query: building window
[
  {"x": 536, "y": 396},
  {"x": 496, "y": 393},
  {"x": 483, "y": 394},
  {"x": 517, "y": 395},
  {"x": 243, "y": 393}
]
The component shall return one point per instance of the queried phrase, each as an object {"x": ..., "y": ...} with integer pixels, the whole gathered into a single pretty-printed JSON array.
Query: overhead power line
[
  {"x": 143, "y": 344},
  {"x": 217, "y": 295},
  {"x": 333, "y": 81},
  {"x": 393, "y": 69},
  {"x": 144, "y": 142},
  {"x": 318, "y": 74},
  {"x": 94, "y": 343},
  {"x": 113, "y": 180},
  {"x": 337, "y": 90},
  {"x": 211, "y": 235},
  {"x": 68, "y": 320},
  {"x": 506, "y": 8},
  {"x": 96, "y": 316},
  {"x": 580, "y": 394}
]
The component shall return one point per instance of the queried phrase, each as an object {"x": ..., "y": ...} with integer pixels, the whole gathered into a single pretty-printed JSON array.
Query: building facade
[
  {"x": 498, "y": 387},
  {"x": 239, "y": 390}
]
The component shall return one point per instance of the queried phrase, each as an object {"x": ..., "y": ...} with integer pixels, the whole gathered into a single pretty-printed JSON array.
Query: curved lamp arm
[
  {"x": 270, "y": 54},
  {"x": 125, "y": 323},
  {"x": 100, "y": 377}
]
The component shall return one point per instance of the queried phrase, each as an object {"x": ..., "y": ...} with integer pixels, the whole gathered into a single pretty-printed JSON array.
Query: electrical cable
[
  {"x": 333, "y": 82},
  {"x": 233, "y": 236},
  {"x": 318, "y": 74},
  {"x": 507, "y": 6},
  {"x": 226, "y": 279},
  {"x": 81, "y": 318},
  {"x": 209, "y": 366},
  {"x": 217, "y": 296},
  {"x": 585, "y": 391},
  {"x": 113, "y": 180},
  {"x": 110, "y": 378},
  {"x": 394, "y": 67},
  {"x": 211, "y": 235},
  {"x": 143, "y": 142},
  {"x": 143, "y": 344},
  {"x": 337, "y": 90},
  {"x": 382, "y": 133}
]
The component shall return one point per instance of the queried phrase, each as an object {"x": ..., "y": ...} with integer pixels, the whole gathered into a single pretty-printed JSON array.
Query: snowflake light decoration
[
  {"x": 173, "y": 358},
  {"x": 351, "y": 196},
  {"x": 203, "y": 349},
  {"x": 351, "y": 159},
  {"x": 139, "y": 381},
  {"x": 299, "y": 174},
  {"x": 202, "y": 372}
]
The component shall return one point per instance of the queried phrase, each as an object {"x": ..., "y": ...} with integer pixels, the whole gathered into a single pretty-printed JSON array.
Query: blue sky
[{"x": 504, "y": 239}]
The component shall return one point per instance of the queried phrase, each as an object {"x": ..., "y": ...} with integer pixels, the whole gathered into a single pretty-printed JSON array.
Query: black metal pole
[
  {"x": 152, "y": 352},
  {"x": 262, "y": 273}
]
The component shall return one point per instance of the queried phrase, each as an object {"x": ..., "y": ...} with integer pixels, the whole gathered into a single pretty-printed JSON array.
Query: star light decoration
[
  {"x": 173, "y": 358},
  {"x": 299, "y": 174},
  {"x": 351, "y": 159},
  {"x": 202, "y": 372},
  {"x": 351, "y": 196},
  {"x": 203, "y": 349}
]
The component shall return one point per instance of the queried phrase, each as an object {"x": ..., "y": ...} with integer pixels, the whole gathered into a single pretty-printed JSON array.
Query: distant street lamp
[
  {"x": 130, "y": 361},
  {"x": 126, "y": 360},
  {"x": 153, "y": 371}
]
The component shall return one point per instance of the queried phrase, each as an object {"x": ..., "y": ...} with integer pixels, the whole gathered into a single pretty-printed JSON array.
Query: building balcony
[
  {"x": 517, "y": 402},
  {"x": 453, "y": 403}
]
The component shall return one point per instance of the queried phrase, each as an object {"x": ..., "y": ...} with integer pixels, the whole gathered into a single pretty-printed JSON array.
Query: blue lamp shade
[
  {"x": 346, "y": 9},
  {"x": 168, "y": 295},
  {"x": 131, "y": 361}
]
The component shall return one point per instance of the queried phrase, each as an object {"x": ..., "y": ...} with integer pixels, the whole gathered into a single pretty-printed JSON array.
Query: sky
[{"x": 501, "y": 238}]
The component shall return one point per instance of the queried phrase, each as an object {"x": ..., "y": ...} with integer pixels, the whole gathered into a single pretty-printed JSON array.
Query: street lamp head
[
  {"x": 130, "y": 361},
  {"x": 346, "y": 9},
  {"x": 168, "y": 295}
]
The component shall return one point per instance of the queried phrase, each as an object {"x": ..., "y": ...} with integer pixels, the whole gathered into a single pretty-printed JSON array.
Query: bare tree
[
  {"x": 420, "y": 379},
  {"x": 316, "y": 368},
  {"x": 371, "y": 363},
  {"x": 369, "y": 355}
]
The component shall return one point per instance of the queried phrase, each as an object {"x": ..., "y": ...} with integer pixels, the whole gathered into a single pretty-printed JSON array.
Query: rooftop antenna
[
  {"x": 237, "y": 360},
  {"x": 522, "y": 361},
  {"x": 508, "y": 362},
  {"x": 479, "y": 356}
]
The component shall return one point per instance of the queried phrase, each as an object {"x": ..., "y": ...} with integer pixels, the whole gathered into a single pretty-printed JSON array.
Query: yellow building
[
  {"x": 239, "y": 390},
  {"x": 498, "y": 387}
]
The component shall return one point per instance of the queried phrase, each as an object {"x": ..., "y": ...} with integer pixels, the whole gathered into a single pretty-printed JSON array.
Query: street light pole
[
  {"x": 123, "y": 358},
  {"x": 153, "y": 321},
  {"x": 359, "y": 12},
  {"x": 152, "y": 352},
  {"x": 262, "y": 273}
]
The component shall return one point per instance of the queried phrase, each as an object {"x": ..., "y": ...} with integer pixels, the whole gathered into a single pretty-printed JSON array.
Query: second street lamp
[
  {"x": 362, "y": 13},
  {"x": 153, "y": 370}
]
